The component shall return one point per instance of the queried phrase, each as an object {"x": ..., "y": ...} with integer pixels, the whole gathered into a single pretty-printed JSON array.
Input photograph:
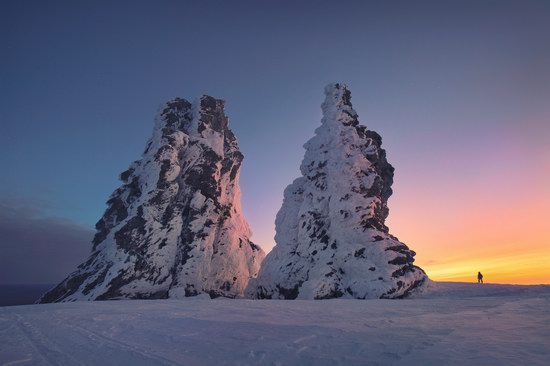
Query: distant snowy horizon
[{"x": 28, "y": 294}]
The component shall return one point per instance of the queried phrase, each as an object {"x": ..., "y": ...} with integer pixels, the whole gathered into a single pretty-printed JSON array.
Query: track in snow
[{"x": 454, "y": 324}]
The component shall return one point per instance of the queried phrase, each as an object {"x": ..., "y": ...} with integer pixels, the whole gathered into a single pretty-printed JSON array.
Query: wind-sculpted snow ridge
[
  {"x": 331, "y": 236},
  {"x": 175, "y": 227}
]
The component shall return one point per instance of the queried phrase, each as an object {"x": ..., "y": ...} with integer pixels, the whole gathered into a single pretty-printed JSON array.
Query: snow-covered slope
[
  {"x": 508, "y": 330},
  {"x": 331, "y": 237},
  {"x": 175, "y": 227}
]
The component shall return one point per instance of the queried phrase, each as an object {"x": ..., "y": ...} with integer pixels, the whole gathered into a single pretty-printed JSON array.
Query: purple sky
[{"x": 448, "y": 85}]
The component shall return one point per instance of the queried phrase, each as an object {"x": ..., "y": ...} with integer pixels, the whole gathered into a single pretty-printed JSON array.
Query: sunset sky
[{"x": 459, "y": 91}]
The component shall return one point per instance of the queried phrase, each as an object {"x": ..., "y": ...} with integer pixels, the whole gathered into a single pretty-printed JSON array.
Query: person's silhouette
[{"x": 479, "y": 277}]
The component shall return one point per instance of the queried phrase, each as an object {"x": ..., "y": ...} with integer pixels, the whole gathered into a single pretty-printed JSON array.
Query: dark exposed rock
[
  {"x": 359, "y": 253},
  {"x": 333, "y": 294},
  {"x": 289, "y": 293},
  {"x": 399, "y": 260}
]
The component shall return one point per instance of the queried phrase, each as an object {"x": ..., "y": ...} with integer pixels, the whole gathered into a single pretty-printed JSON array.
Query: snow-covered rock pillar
[
  {"x": 175, "y": 227},
  {"x": 331, "y": 237}
]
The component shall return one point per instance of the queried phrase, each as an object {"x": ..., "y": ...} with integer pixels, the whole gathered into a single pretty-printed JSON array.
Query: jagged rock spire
[
  {"x": 331, "y": 236},
  {"x": 175, "y": 227}
]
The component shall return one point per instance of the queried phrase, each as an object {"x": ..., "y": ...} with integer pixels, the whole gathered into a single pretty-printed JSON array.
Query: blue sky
[{"x": 439, "y": 80}]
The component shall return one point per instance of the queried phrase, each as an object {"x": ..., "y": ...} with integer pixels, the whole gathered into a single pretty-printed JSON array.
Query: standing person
[{"x": 479, "y": 277}]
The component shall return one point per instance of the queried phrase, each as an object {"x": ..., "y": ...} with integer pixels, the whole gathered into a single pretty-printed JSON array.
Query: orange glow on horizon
[
  {"x": 496, "y": 221},
  {"x": 531, "y": 268}
]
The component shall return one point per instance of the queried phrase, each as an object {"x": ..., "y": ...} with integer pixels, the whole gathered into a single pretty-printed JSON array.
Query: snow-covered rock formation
[
  {"x": 330, "y": 232},
  {"x": 175, "y": 227}
]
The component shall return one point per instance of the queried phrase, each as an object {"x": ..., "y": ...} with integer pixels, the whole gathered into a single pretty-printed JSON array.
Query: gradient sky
[{"x": 459, "y": 91}]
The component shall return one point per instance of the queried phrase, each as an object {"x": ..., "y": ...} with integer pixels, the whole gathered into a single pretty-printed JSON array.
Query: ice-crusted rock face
[
  {"x": 175, "y": 227},
  {"x": 330, "y": 232}
]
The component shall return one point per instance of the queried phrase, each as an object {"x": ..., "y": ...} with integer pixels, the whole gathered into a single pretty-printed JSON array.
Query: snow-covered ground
[{"x": 451, "y": 324}]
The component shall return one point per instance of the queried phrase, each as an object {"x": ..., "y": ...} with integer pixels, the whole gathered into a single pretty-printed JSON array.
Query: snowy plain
[{"x": 450, "y": 324}]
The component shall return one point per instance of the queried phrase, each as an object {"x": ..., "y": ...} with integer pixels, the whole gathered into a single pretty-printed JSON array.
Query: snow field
[{"x": 452, "y": 324}]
